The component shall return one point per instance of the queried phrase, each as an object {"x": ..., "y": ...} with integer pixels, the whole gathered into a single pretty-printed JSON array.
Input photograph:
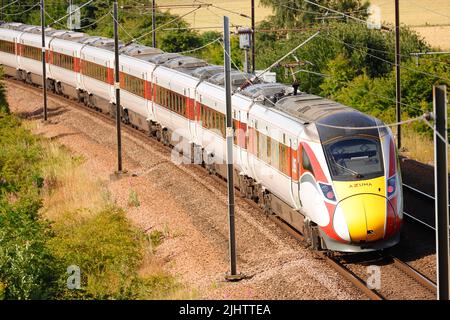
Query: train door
[
  {"x": 241, "y": 139},
  {"x": 77, "y": 67},
  {"x": 148, "y": 96},
  {"x": 112, "y": 90},
  {"x": 252, "y": 150},
  {"x": 294, "y": 155},
  {"x": 191, "y": 114}
]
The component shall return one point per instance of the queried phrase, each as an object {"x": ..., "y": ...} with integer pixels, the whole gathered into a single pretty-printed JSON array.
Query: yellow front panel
[
  {"x": 364, "y": 206},
  {"x": 355, "y": 217},
  {"x": 346, "y": 189}
]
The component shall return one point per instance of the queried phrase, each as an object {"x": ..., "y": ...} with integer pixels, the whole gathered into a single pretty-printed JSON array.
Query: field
[
  {"x": 431, "y": 18},
  {"x": 213, "y": 17}
]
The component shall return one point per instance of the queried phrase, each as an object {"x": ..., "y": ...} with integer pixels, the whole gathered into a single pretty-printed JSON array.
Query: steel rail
[{"x": 414, "y": 274}]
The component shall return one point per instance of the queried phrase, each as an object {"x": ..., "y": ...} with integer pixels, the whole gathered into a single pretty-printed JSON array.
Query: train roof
[{"x": 309, "y": 108}]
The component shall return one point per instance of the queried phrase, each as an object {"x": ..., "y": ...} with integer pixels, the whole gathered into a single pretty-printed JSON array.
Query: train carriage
[
  {"x": 64, "y": 62},
  {"x": 135, "y": 82},
  {"x": 29, "y": 49},
  {"x": 9, "y": 49}
]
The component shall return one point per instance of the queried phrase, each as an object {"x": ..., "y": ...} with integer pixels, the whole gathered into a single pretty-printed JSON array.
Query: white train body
[{"x": 341, "y": 188}]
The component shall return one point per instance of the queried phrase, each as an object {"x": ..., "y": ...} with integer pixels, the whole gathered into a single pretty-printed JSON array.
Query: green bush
[
  {"x": 107, "y": 249},
  {"x": 28, "y": 270}
]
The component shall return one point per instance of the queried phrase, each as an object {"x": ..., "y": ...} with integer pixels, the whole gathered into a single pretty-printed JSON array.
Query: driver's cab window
[{"x": 306, "y": 162}]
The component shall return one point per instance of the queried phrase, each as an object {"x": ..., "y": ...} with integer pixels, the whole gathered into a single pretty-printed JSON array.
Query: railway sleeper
[
  {"x": 209, "y": 161},
  {"x": 80, "y": 96},
  {"x": 59, "y": 88},
  {"x": 51, "y": 85},
  {"x": 196, "y": 154},
  {"x": 248, "y": 188},
  {"x": 20, "y": 75},
  {"x": 165, "y": 136},
  {"x": 125, "y": 116},
  {"x": 152, "y": 128}
]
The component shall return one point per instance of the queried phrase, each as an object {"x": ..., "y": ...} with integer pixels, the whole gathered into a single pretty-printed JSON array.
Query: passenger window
[{"x": 269, "y": 150}]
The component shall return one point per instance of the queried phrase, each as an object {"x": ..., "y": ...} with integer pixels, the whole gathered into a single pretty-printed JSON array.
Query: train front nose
[{"x": 364, "y": 216}]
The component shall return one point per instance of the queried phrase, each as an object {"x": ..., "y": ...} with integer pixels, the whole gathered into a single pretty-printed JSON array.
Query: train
[{"x": 327, "y": 170}]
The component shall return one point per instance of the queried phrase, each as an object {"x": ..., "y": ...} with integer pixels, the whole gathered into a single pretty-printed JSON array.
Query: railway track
[
  {"x": 345, "y": 268},
  {"x": 355, "y": 272}
]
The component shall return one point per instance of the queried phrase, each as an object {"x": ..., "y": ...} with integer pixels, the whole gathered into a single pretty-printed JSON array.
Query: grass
[
  {"x": 133, "y": 199},
  {"x": 418, "y": 147},
  {"x": 117, "y": 260}
]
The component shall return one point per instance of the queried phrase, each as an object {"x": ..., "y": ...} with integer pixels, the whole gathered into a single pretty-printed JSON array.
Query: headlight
[
  {"x": 340, "y": 224},
  {"x": 327, "y": 191},
  {"x": 391, "y": 186}
]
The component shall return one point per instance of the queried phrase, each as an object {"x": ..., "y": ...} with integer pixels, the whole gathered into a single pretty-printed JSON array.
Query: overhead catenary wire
[
  {"x": 163, "y": 25},
  {"x": 422, "y": 117},
  {"x": 22, "y": 12},
  {"x": 9, "y": 4},
  {"x": 121, "y": 27},
  {"x": 96, "y": 21},
  {"x": 325, "y": 75},
  {"x": 335, "y": 11},
  {"x": 217, "y": 15},
  {"x": 50, "y": 17},
  {"x": 181, "y": 52},
  {"x": 362, "y": 88},
  {"x": 430, "y": 10},
  {"x": 202, "y": 47},
  {"x": 298, "y": 9},
  {"x": 348, "y": 16},
  {"x": 435, "y": 131},
  {"x": 225, "y": 9},
  {"x": 328, "y": 36}
]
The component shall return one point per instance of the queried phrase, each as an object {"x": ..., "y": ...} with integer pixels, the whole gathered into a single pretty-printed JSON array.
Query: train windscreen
[
  {"x": 355, "y": 158},
  {"x": 351, "y": 142}
]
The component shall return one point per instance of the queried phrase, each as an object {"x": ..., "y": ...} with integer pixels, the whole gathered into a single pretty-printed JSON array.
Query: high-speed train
[{"x": 328, "y": 170}]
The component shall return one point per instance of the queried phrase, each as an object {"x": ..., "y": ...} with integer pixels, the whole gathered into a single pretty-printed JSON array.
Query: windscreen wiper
[{"x": 354, "y": 173}]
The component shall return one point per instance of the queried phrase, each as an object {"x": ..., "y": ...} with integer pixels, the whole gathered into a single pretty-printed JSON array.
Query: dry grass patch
[
  {"x": 117, "y": 260},
  {"x": 418, "y": 147}
]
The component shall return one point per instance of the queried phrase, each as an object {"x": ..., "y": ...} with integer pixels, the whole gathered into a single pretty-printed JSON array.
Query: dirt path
[{"x": 189, "y": 206}]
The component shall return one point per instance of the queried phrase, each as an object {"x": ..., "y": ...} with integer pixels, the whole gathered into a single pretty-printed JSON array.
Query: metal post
[
  {"x": 253, "y": 37},
  {"x": 117, "y": 88},
  {"x": 153, "y": 23},
  {"x": 229, "y": 136},
  {"x": 44, "y": 68},
  {"x": 441, "y": 191},
  {"x": 397, "y": 73}
]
